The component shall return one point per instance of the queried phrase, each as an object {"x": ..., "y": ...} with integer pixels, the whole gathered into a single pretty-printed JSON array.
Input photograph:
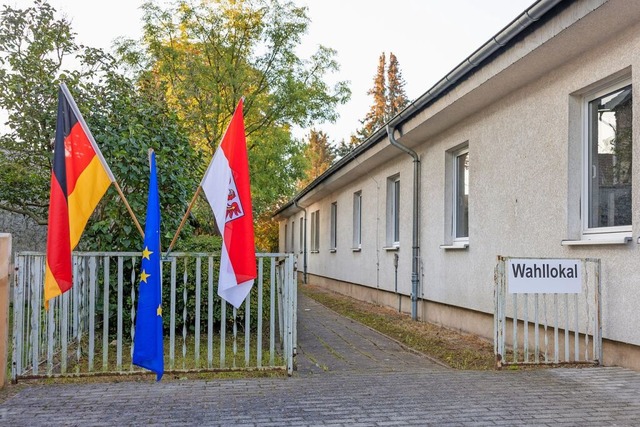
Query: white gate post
[{"x": 5, "y": 256}]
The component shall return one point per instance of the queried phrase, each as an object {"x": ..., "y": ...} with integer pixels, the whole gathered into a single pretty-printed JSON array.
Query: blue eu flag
[{"x": 148, "y": 347}]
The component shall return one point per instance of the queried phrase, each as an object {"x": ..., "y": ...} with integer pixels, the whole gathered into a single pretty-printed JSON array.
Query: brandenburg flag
[
  {"x": 79, "y": 179},
  {"x": 228, "y": 190}
]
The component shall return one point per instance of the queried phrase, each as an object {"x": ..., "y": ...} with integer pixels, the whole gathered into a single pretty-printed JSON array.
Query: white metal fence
[
  {"x": 548, "y": 328},
  {"x": 90, "y": 329}
]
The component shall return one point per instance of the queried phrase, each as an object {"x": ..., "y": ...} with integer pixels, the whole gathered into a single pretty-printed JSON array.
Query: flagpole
[
  {"x": 124, "y": 199},
  {"x": 87, "y": 131},
  {"x": 184, "y": 219}
]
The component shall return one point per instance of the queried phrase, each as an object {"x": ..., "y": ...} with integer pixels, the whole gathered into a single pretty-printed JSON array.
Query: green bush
[{"x": 201, "y": 247}]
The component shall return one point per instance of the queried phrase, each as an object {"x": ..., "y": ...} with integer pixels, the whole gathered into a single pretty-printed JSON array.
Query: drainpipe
[
  {"x": 415, "y": 255},
  {"x": 304, "y": 245}
]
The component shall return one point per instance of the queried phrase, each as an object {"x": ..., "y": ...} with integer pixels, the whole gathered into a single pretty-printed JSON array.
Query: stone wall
[{"x": 26, "y": 234}]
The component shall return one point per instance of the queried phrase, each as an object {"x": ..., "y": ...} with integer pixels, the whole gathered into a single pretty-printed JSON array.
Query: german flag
[{"x": 79, "y": 179}]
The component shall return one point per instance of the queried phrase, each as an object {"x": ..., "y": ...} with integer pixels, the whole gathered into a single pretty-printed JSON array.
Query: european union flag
[{"x": 148, "y": 347}]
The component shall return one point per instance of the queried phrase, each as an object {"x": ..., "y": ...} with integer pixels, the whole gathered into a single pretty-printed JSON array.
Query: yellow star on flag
[
  {"x": 144, "y": 276},
  {"x": 159, "y": 310},
  {"x": 146, "y": 253}
]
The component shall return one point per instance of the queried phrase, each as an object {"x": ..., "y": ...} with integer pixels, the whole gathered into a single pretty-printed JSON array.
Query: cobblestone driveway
[{"x": 347, "y": 375}]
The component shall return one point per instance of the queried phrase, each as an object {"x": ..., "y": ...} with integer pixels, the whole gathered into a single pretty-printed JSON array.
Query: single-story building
[{"x": 525, "y": 149}]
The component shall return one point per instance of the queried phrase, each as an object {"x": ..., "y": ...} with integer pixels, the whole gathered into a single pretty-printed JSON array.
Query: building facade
[{"x": 526, "y": 149}]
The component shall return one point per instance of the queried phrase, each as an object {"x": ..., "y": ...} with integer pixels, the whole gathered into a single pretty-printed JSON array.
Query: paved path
[{"x": 347, "y": 375}]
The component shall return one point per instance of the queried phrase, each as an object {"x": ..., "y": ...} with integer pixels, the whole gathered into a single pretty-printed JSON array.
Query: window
[
  {"x": 456, "y": 198},
  {"x": 393, "y": 211},
  {"x": 608, "y": 155},
  {"x": 315, "y": 231},
  {"x": 302, "y": 225},
  {"x": 293, "y": 236},
  {"x": 461, "y": 195},
  {"x": 357, "y": 220},
  {"x": 286, "y": 241},
  {"x": 334, "y": 226}
]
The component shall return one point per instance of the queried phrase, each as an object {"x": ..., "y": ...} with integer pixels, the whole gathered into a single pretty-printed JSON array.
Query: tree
[
  {"x": 345, "y": 148},
  {"x": 127, "y": 123},
  {"x": 389, "y": 98},
  {"x": 203, "y": 56},
  {"x": 319, "y": 155},
  {"x": 33, "y": 45},
  {"x": 35, "y": 51},
  {"x": 375, "y": 118},
  {"x": 396, "y": 95}
]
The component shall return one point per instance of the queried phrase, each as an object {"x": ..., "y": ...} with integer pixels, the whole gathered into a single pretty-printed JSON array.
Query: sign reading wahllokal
[{"x": 544, "y": 276}]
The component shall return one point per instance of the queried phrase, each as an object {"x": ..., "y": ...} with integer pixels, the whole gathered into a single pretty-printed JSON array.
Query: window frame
[
  {"x": 302, "y": 227},
  {"x": 455, "y": 155},
  {"x": 315, "y": 231},
  {"x": 357, "y": 220},
  {"x": 286, "y": 239},
  {"x": 587, "y": 167},
  {"x": 393, "y": 211},
  {"x": 333, "y": 230}
]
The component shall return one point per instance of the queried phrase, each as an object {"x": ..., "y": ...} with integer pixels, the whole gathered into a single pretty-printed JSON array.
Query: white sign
[{"x": 544, "y": 276}]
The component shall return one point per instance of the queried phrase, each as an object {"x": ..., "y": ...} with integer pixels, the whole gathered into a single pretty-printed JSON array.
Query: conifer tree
[
  {"x": 396, "y": 95},
  {"x": 319, "y": 155},
  {"x": 375, "y": 118},
  {"x": 389, "y": 98},
  {"x": 345, "y": 147}
]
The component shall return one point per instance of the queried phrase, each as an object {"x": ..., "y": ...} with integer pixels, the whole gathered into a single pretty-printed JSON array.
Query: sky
[{"x": 428, "y": 37}]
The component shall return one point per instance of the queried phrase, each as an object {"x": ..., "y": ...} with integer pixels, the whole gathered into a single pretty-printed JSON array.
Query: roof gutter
[{"x": 529, "y": 16}]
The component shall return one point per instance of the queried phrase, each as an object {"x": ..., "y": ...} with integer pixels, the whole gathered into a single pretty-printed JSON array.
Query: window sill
[
  {"x": 356, "y": 249},
  {"x": 314, "y": 252},
  {"x": 333, "y": 251},
  {"x": 455, "y": 246},
  {"x": 609, "y": 240},
  {"x": 391, "y": 248}
]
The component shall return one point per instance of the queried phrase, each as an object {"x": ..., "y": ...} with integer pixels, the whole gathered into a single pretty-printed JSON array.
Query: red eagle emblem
[{"x": 234, "y": 209}]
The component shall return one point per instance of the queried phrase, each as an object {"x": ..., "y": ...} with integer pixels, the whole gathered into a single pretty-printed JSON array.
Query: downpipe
[
  {"x": 395, "y": 266},
  {"x": 415, "y": 254}
]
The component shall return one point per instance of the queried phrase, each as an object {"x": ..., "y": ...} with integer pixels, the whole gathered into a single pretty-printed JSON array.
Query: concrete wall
[{"x": 522, "y": 118}]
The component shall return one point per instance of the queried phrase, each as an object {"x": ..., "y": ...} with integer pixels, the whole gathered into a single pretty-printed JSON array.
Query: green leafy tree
[
  {"x": 33, "y": 46},
  {"x": 128, "y": 123},
  {"x": 36, "y": 49},
  {"x": 203, "y": 56}
]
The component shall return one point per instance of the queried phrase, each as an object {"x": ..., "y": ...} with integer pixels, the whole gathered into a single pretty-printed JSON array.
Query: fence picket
[{"x": 63, "y": 340}]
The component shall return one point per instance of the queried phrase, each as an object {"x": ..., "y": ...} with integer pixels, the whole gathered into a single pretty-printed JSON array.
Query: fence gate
[
  {"x": 90, "y": 329},
  {"x": 547, "y": 327}
]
